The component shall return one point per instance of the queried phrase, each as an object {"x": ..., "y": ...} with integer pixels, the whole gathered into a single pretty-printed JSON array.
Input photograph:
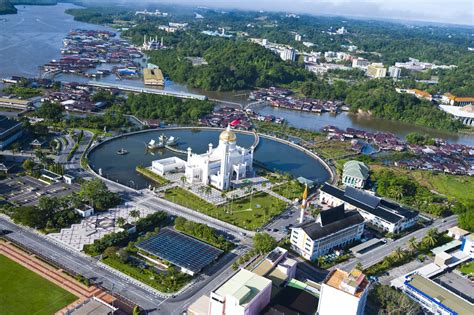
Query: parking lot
[{"x": 26, "y": 190}]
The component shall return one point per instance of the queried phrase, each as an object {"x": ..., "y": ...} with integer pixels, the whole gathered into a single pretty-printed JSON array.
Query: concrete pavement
[{"x": 377, "y": 255}]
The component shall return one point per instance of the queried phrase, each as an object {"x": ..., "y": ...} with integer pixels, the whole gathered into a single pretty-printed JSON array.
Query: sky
[{"x": 442, "y": 11}]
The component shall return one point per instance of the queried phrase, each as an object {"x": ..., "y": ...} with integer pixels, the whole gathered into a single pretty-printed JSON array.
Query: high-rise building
[
  {"x": 298, "y": 37},
  {"x": 343, "y": 293},
  {"x": 394, "y": 72},
  {"x": 288, "y": 54},
  {"x": 376, "y": 70},
  {"x": 359, "y": 63}
]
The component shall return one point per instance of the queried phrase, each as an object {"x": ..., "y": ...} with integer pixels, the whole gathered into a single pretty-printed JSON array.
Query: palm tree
[
  {"x": 320, "y": 261},
  {"x": 120, "y": 221},
  {"x": 135, "y": 214},
  {"x": 412, "y": 244},
  {"x": 399, "y": 253},
  {"x": 431, "y": 237},
  {"x": 183, "y": 180}
]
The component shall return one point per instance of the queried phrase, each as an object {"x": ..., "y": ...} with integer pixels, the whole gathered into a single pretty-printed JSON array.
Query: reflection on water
[{"x": 273, "y": 154}]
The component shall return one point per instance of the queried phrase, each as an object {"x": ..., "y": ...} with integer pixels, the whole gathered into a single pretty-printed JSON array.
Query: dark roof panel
[
  {"x": 316, "y": 231},
  {"x": 362, "y": 197},
  {"x": 332, "y": 215}
]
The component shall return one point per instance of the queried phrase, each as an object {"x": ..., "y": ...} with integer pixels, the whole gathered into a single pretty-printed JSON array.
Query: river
[{"x": 34, "y": 36}]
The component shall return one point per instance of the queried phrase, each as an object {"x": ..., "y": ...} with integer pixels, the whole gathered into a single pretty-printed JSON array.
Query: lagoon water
[
  {"x": 274, "y": 155},
  {"x": 34, "y": 36}
]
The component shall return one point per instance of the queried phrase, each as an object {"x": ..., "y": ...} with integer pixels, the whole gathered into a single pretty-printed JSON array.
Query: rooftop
[
  {"x": 332, "y": 221},
  {"x": 7, "y": 124},
  {"x": 292, "y": 301},
  {"x": 440, "y": 295},
  {"x": 180, "y": 249},
  {"x": 244, "y": 286},
  {"x": 446, "y": 247},
  {"x": 353, "y": 283},
  {"x": 356, "y": 169}
]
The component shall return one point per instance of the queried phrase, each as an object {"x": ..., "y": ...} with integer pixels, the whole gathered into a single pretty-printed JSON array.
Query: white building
[
  {"x": 168, "y": 165},
  {"x": 343, "y": 293},
  {"x": 333, "y": 228},
  {"x": 394, "y": 72},
  {"x": 85, "y": 211},
  {"x": 218, "y": 166},
  {"x": 298, "y": 37},
  {"x": 288, "y": 54},
  {"x": 467, "y": 245},
  {"x": 245, "y": 293},
  {"x": 360, "y": 63},
  {"x": 355, "y": 174},
  {"x": 380, "y": 213},
  {"x": 463, "y": 113}
]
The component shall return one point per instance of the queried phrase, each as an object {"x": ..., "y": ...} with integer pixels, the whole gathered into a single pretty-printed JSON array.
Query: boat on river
[{"x": 122, "y": 151}]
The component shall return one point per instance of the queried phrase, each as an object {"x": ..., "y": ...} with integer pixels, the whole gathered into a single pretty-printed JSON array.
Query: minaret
[{"x": 303, "y": 203}]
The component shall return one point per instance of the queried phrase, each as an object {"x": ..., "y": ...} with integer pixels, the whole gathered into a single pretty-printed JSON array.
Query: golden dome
[{"x": 227, "y": 135}]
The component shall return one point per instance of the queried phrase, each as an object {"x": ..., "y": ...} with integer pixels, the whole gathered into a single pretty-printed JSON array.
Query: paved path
[{"x": 377, "y": 255}]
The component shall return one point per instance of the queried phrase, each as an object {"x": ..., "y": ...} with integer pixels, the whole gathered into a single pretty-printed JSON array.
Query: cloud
[{"x": 444, "y": 11}]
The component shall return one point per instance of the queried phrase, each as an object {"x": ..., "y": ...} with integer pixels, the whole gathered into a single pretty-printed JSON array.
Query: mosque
[{"x": 217, "y": 167}]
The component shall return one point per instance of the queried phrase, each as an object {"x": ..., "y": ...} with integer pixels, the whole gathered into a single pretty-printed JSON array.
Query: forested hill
[{"x": 6, "y": 7}]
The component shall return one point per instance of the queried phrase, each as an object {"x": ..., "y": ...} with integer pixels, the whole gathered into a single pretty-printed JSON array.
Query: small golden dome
[{"x": 228, "y": 135}]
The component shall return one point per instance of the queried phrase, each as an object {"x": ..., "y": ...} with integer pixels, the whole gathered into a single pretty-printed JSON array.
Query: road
[{"x": 377, "y": 255}]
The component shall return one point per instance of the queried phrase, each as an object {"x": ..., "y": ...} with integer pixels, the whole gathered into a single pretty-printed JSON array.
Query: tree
[
  {"x": 264, "y": 243},
  {"x": 135, "y": 214},
  {"x": 136, "y": 310},
  {"x": 321, "y": 261},
  {"x": 399, "y": 253},
  {"x": 120, "y": 221},
  {"x": 183, "y": 180},
  {"x": 390, "y": 301},
  {"x": 431, "y": 237},
  {"x": 110, "y": 252},
  {"x": 412, "y": 244},
  {"x": 28, "y": 165},
  {"x": 50, "y": 111},
  {"x": 98, "y": 195},
  {"x": 15, "y": 147}
]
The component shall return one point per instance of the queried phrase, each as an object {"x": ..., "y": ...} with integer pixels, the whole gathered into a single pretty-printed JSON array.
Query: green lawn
[
  {"x": 291, "y": 190},
  {"x": 153, "y": 176},
  {"x": 248, "y": 213},
  {"x": 467, "y": 268},
  {"x": 24, "y": 292}
]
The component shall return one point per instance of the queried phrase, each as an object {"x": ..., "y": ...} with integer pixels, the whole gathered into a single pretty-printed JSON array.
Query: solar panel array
[{"x": 180, "y": 250}]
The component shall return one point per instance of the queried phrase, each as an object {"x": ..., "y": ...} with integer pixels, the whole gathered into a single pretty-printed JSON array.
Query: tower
[{"x": 303, "y": 203}]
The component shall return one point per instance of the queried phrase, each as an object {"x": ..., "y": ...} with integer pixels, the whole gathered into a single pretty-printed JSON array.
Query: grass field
[
  {"x": 24, "y": 292},
  {"x": 467, "y": 268},
  {"x": 245, "y": 213}
]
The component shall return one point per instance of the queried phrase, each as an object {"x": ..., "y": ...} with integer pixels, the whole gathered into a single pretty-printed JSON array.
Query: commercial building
[
  {"x": 394, "y": 72},
  {"x": 360, "y": 63},
  {"x": 434, "y": 298},
  {"x": 10, "y": 131},
  {"x": 15, "y": 103},
  {"x": 355, "y": 174},
  {"x": 245, "y": 293},
  {"x": 333, "y": 228},
  {"x": 454, "y": 100},
  {"x": 457, "y": 233},
  {"x": 376, "y": 70},
  {"x": 277, "y": 266},
  {"x": 380, "y": 213},
  {"x": 463, "y": 113},
  {"x": 343, "y": 293},
  {"x": 153, "y": 77},
  {"x": 288, "y": 54},
  {"x": 183, "y": 251},
  {"x": 467, "y": 245}
]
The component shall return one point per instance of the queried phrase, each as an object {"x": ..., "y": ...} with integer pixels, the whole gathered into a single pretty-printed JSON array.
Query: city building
[
  {"x": 457, "y": 233},
  {"x": 341, "y": 31},
  {"x": 277, "y": 266},
  {"x": 288, "y": 54},
  {"x": 153, "y": 77},
  {"x": 333, "y": 228},
  {"x": 451, "y": 99},
  {"x": 355, "y": 174},
  {"x": 298, "y": 37},
  {"x": 360, "y": 63},
  {"x": 467, "y": 245},
  {"x": 245, "y": 293},
  {"x": 394, "y": 72},
  {"x": 380, "y": 213},
  {"x": 376, "y": 70},
  {"x": 15, "y": 103},
  {"x": 463, "y": 113},
  {"x": 85, "y": 211},
  {"x": 10, "y": 131},
  {"x": 343, "y": 293},
  {"x": 435, "y": 298}
]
